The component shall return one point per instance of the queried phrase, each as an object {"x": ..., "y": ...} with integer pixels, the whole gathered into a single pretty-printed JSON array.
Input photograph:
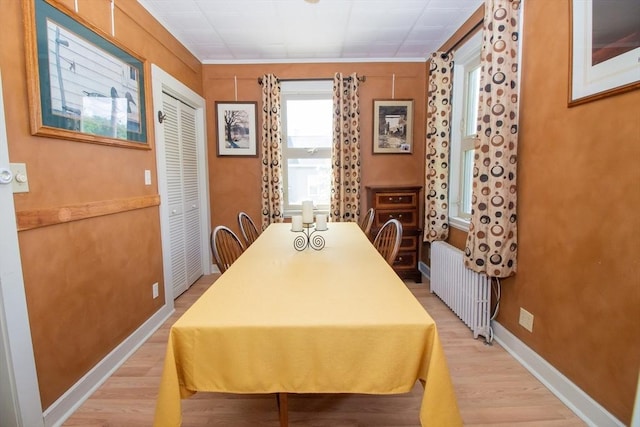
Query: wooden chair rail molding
[{"x": 36, "y": 218}]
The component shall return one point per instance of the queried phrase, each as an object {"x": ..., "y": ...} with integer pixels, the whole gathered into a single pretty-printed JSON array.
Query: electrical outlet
[
  {"x": 526, "y": 319},
  {"x": 154, "y": 288}
]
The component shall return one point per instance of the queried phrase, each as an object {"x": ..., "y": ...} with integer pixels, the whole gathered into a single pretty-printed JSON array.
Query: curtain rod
[
  {"x": 462, "y": 39},
  {"x": 360, "y": 78}
]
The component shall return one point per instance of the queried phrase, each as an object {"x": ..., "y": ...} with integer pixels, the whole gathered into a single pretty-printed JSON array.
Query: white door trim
[
  {"x": 162, "y": 81},
  {"x": 20, "y": 404}
]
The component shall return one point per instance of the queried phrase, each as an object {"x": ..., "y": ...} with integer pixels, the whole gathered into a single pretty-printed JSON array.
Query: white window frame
[
  {"x": 301, "y": 89},
  {"x": 466, "y": 58}
]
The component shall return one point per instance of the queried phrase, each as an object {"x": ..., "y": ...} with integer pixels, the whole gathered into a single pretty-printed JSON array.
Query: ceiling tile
[{"x": 281, "y": 30}]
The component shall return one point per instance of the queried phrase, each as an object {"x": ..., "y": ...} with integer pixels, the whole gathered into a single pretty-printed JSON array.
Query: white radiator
[{"x": 466, "y": 292}]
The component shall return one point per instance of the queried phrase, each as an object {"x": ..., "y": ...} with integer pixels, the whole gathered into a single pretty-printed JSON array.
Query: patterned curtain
[
  {"x": 272, "y": 191},
  {"x": 436, "y": 213},
  {"x": 345, "y": 152},
  {"x": 492, "y": 240}
]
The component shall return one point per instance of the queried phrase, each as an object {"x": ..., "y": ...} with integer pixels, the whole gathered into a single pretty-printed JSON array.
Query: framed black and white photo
[
  {"x": 605, "y": 49},
  {"x": 393, "y": 126},
  {"x": 82, "y": 85},
  {"x": 236, "y": 124}
]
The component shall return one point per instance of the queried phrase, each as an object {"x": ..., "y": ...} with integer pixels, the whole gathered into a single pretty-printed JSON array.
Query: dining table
[{"x": 330, "y": 318}]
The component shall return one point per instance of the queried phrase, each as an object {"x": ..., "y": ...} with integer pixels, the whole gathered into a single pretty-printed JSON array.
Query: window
[
  {"x": 464, "y": 116},
  {"x": 307, "y": 131}
]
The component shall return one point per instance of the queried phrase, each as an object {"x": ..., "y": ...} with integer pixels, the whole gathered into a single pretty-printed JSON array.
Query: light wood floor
[{"x": 491, "y": 386}]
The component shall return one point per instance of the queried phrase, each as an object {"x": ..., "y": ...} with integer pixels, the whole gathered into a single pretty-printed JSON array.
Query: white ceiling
[{"x": 259, "y": 31}]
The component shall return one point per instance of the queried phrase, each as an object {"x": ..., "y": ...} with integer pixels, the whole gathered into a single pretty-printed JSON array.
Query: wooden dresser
[{"x": 403, "y": 204}]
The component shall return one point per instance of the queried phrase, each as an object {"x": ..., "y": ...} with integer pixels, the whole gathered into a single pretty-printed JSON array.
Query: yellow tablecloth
[{"x": 337, "y": 320}]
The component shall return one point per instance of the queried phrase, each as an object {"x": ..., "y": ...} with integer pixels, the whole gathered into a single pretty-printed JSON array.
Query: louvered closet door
[
  {"x": 193, "y": 254},
  {"x": 182, "y": 190}
]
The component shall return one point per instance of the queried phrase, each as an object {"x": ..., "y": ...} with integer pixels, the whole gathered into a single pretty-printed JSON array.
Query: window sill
[
  {"x": 459, "y": 223},
  {"x": 288, "y": 213}
]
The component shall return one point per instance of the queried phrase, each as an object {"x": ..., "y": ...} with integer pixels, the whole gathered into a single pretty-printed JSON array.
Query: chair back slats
[
  {"x": 248, "y": 229},
  {"x": 367, "y": 221},
  {"x": 388, "y": 239},
  {"x": 226, "y": 247}
]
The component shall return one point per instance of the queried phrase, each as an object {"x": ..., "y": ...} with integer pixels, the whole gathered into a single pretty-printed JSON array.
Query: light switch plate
[
  {"x": 20, "y": 183},
  {"x": 147, "y": 177}
]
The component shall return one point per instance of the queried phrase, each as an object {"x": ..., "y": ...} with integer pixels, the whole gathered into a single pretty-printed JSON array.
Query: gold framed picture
[{"x": 393, "y": 126}]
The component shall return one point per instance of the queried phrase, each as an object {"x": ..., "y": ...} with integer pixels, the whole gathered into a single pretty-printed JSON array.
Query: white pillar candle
[
  {"x": 307, "y": 211},
  {"x": 321, "y": 222},
  {"x": 296, "y": 223}
]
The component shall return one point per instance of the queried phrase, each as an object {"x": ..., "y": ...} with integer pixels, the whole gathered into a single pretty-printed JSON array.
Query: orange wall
[
  {"x": 88, "y": 282},
  {"x": 578, "y": 222},
  {"x": 579, "y": 228},
  {"x": 235, "y": 182}
]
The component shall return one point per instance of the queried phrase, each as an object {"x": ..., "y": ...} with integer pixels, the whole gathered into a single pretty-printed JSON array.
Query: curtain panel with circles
[
  {"x": 436, "y": 213},
  {"x": 492, "y": 245},
  {"x": 345, "y": 151},
  {"x": 271, "y": 142}
]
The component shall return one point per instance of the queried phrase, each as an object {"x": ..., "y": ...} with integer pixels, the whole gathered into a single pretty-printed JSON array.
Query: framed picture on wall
[
  {"x": 393, "y": 126},
  {"x": 236, "y": 124},
  {"x": 82, "y": 85},
  {"x": 605, "y": 49}
]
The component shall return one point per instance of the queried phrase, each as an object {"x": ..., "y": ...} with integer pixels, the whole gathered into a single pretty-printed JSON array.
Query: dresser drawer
[
  {"x": 409, "y": 243},
  {"x": 406, "y": 260},
  {"x": 408, "y": 217},
  {"x": 389, "y": 200}
]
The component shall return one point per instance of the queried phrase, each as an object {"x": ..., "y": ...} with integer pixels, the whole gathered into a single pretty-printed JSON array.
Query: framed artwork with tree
[{"x": 236, "y": 124}]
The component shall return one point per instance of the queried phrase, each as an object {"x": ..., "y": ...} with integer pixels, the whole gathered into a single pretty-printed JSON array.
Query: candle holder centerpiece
[
  {"x": 308, "y": 238},
  {"x": 305, "y": 224}
]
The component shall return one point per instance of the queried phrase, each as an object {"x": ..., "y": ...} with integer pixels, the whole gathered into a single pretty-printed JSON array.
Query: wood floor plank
[{"x": 493, "y": 389}]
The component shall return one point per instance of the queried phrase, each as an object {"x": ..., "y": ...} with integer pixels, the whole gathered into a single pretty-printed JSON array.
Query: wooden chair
[
  {"x": 388, "y": 239},
  {"x": 226, "y": 247},
  {"x": 249, "y": 230},
  {"x": 367, "y": 221}
]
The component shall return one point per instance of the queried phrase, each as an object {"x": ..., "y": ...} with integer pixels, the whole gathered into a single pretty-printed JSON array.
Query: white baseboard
[
  {"x": 590, "y": 411},
  {"x": 61, "y": 409}
]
